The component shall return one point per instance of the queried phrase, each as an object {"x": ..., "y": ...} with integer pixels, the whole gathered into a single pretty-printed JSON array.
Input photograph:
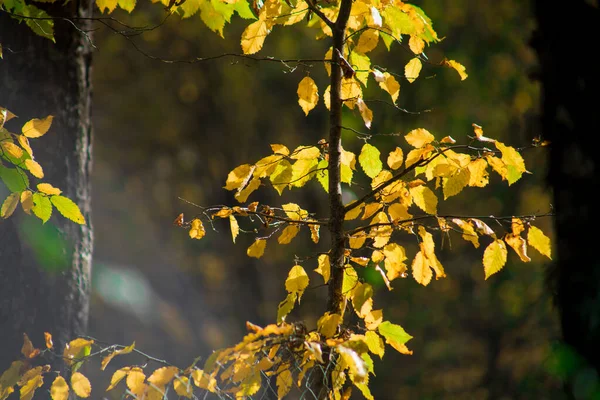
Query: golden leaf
[
  {"x": 204, "y": 380},
  {"x": 478, "y": 175},
  {"x": 354, "y": 213},
  {"x": 421, "y": 270},
  {"x": 327, "y": 97},
  {"x": 494, "y": 257},
  {"x": 76, "y": 349},
  {"x": 197, "y": 230},
  {"x": 35, "y": 168},
  {"x": 395, "y": 158},
  {"x": 163, "y": 376},
  {"x": 12, "y": 149},
  {"x": 370, "y": 210},
  {"x": 48, "y": 189},
  {"x": 425, "y": 199},
  {"x": 398, "y": 212},
  {"x": 254, "y": 36},
  {"x": 395, "y": 256},
  {"x": 59, "y": 389},
  {"x": 24, "y": 142},
  {"x": 297, "y": 280},
  {"x": 373, "y": 319},
  {"x": 29, "y": 387},
  {"x": 368, "y": 41},
  {"x": 284, "y": 383},
  {"x": 455, "y": 183},
  {"x": 108, "y": 358},
  {"x": 308, "y": 94},
  {"x": 419, "y": 137},
  {"x": 412, "y": 70},
  {"x": 375, "y": 343},
  {"x": 27, "y": 349},
  {"x": 9, "y": 205},
  {"x": 517, "y": 226},
  {"x": 519, "y": 245},
  {"x": 469, "y": 233},
  {"x": 328, "y": 324},
  {"x": 257, "y": 248},
  {"x": 539, "y": 241},
  {"x": 457, "y": 67},
  {"x": 365, "y": 112},
  {"x": 314, "y": 232},
  {"x": 81, "y": 385},
  {"x": 357, "y": 240},
  {"x": 48, "y": 339},
  {"x": 183, "y": 387},
  {"x": 37, "y": 127},
  {"x": 362, "y": 300},
  {"x": 389, "y": 83},
  {"x": 416, "y": 44},
  {"x": 223, "y": 213},
  {"x": 324, "y": 268},
  {"x": 118, "y": 377},
  {"x": 135, "y": 381},
  {"x": 294, "y": 211},
  {"x": 235, "y": 228},
  {"x": 238, "y": 176},
  {"x": 328, "y": 56},
  {"x": 305, "y": 153},
  {"x": 288, "y": 234}
]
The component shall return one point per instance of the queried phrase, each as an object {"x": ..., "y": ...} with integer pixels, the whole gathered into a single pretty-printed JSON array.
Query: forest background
[{"x": 168, "y": 131}]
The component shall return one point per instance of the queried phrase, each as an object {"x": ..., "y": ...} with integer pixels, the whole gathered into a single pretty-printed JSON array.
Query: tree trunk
[
  {"x": 45, "y": 268},
  {"x": 565, "y": 41}
]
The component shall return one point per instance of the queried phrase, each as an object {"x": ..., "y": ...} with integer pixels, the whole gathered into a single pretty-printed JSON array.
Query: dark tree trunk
[
  {"x": 565, "y": 42},
  {"x": 45, "y": 269}
]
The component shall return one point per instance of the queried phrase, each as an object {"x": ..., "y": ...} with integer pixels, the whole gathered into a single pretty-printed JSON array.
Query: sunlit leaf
[
  {"x": 395, "y": 256},
  {"x": 425, "y": 199},
  {"x": 412, "y": 70},
  {"x": 286, "y": 306},
  {"x": 108, "y": 358},
  {"x": 118, "y": 377},
  {"x": 257, "y": 248},
  {"x": 394, "y": 335},
  {"x": 183, "y": 387},
  {"x": 81, "y": 385},
  {"x": 282, "y": 176},
  {"x": 9, "y": 205},
  {"x": 37, "y": 127},
  {"x": 297, "y": 280},
  {"x": 163, "y": 376},
  {"x": 59, "y": 389},
  {"x": 284, "y": 383},
  {"x": 539, "y": 241},
  {"x": 35, "y": 168},
  {"x": 11, "y": 149},
  {"x": 458, "y": 68},
  {"x": 106, "y": 5},
  {"x": 48, "y": 340},
  {"x": 77, "y": 349},
  {"x": 515, "y": 165},
  {"x": 135, "y": 381},
  {"x": 197, "y": 230},
  {"x": 455, "y": 183},
  {"x": 29, "y": 387},
  {"x": 68, "y": 209},
  {"x": 235, "y": 228},
  {"x": 375, "y": 343},
  {"x": 238, "y": 176},
  {"x": 324, "y": 268},
  {"x": 327, "y": 325},
  {"x": 254, "y": 36},
  {"x": 421, "y": 270},
  {"x": 519, "y": 245},
  {"x": 362, "y": 300},
  {"x": 395, "y": 158},
  {"x": 416, "y": 44},
  {"x": 308, "y": 94},
  {"x": 419, "y": 137},
  {"x": 47, "y": 188},
  {"x": 42, "y": 207},
  {"x": 357, "y": 365},
  {"x": 368, "y": 41},
  {"x": 369, "y": 160},
  {"x": 494, "y": 257}
]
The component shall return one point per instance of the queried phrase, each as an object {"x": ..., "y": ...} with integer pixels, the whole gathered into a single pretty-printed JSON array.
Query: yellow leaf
[
  {"x": 327, "y": 97},
  {"x": 455, "y": 183},
  {"x": 324, "y": 268},
  {"x": 328, "y": 324},
  {"x": 254, "y": 36},
  {"x": 81, "y": 385},
  {"x": 118, "y": 377},
  {"x": 223, "y": 213},
  {"x": 395, "y": 158},
  {"x": 238, "y": 176},
  {"x": 9, "y": 205},
  {"x": 370, "y": 210},
  {"x": 257, "y": 248},
  {"x": 163, "y": 376},
  {"x": 48, "y": 339},
  {"x": 478, "y": 175},
  {"x": 416, "y": 44},
  {"x": 365, "y": 112},
  {"x": 305, "y": 153},
  {"x": 328, "y": 56},
  {"x": 288, "y": 234},
  {"x": 357, "y": 366},
  {"x": 519, "y": 245},
  {"x": 428, "y": 248},
  {"x": 235, "y": 228},
  {"x": 482, "y": 227},
  {"x": 76, "y": 349},
  {"x": 419, "y": 137},
  {"x": 284, "y": 383},
  {"x": 539, "y": 241},
  {"x": 375, "y": 343},
  {"x": 357, "y": 240},
  {"x": 350, "y": 92},
  {"x": 517, "y": 226},
  {"x": 354, "y": 213},
  {"x": 48, "y": 189},
  {"x": 368, "y": 41},
  {"x": 362, "y": 299},
  {"x": 373, "y": 319},
  {"x": 398, "y": 212},
  {"x": 286, "y": 306},
  {"x": 27, "y": 349},
  {"x": 299, "y": 13},
  {"x": 281, "y": 177},
  {"x": 417, "y": 155},
  {"x": 297, "y": 280},
  {"x": 494, "y": 257},
  {"x": 109, "y": 5},
  {"x": 29, "y": 387},
  {"x": 183, "y": 387},
  {"x": 469, "y": 233},
  {"x": 108, "y": 358},
  {"x": 135, "y": 381},
  {"x": 380, "y": 234},
  {"x": 314, "y": 232},
  {"x": 425, "y": 199},
  {"x": 37, "y": 127},
  {"x": 24, "y": 142},
  {"x": 395, "y": 256},
  {"x": 12, "y": 149},
  {"x": 197, "y": 230},
  {"x": 458, "y": 67},
  {"x": 204, "y": 380},
  {"x": 242, "y": 195},
  {"x": 412, "y": 70},
  {"x": 59, "y": 389},
  {"x": 389, "y": 83},
  {"x": 513, "y": 161},
  {"x": 266, "y": 165},
  {"x": 421, "y": 270},
  {"x": 294, "y": 211},
  {"x": 308, "y": 94}
]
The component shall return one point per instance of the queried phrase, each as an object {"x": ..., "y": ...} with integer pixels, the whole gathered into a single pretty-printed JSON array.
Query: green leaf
[
  {"x": 393, "y": 333},
  {"x": 68, "y": 209},
  {"x": 214, "y": 18},
  {"x": 15, "y": 179},
  {"x": 242, "y": 7},
  {"x": 369, "y": 160},
  {"x": 42, "y": 207}
]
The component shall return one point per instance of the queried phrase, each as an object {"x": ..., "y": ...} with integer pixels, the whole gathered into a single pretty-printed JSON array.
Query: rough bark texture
[
  {"x": 40, "y": 78},
  {"x": 570, "y": 85}
]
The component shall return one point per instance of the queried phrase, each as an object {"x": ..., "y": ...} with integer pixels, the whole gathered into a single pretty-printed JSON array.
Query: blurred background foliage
[{"x": 165, "y": 131}]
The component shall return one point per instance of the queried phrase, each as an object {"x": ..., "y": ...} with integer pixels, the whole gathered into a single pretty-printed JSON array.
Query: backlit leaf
[
  {"x": 362, "y": 300},
  {"x": 48, "y": 340},
  {"x": 539, "y": 241},
  {"x": 513, "y": 161},
  {"x": 358, "y": 368},
  {"x": 305, "y": 153},
  {"x": 254, "y": 36},
  {"x": 362, "y": 65},
  {"x": 48, "y": 189},
  {"x": 389, "y": 83},
  {"x": 369, "y": 160},
  {"x": 35, "y": 168},
  {"x": 37, "y": 127},
  {"x": 416, "y": 44},
  {"x": 29, "y": 387},
  {"x": 458, "y": 68},
  {"x": 323, "y": 175},
  {"x": 350, "y": 280},
  {"x": 81, "y": 385},
  {"x": 303, "y": 171},
  {"x": 77, "y": 349},
  {"x": 197, "y": 230},
  {"x": 286, "y": 306},
  {"x": 494, "y": 257},
  {"x": 9, "y": 205},
  {"x": 324, "y": 268},
  {"x": 127, "y": 5},
  {"x": 375, "y": 343},
  {"x": 282, "y": 176},
  {"x": 11, "y": 149},
  {"x": 68, "y": 209},
  {"x": 421, "y": 270},
  {"x": 59, "y": 389},
  {"x": 109, "y": 5},
  {"x": 28, "y": 350},
  {"x": 24, "y": 142},
  {"x": 469, "y": 233},
  {"x": 108, "y": 358},
  {"x": 42, "y": 207},
  {"x": 284, "y": 383},
  {"x": 183, "y": 387},
  {"x": 412, "y": 70},
  {"x": 357, "y": 240},
  {"x": 395, "y": 256},
  {"x": 368, "y": 41},
  {"x": 419, "y": 137},
  {"x": 235, "y": 228},
  {"x": 395, "y": 158},
  {"x": 135, "y": 381},
  {"x": 118, "y": 377},
  {"x": 308, "y": 94},
  {"x": 425, "y": 199},
  {"x": 238, "y": 176},
  {"x": 519, "y": 245},
  {"x": 365, "y": 112},
  {"x": 257, "y": 249},
  {"x": 327, "y": 325},
  {"x": 288, "y": 234},
  {"x": 455, "y": 183},
  {"x": 297, "y": 280}
]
